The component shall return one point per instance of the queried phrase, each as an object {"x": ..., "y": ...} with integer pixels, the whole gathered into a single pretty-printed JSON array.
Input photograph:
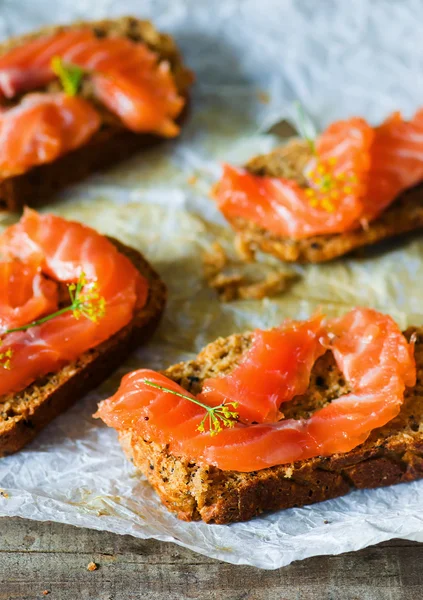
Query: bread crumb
[
  {"x": 227, "y": 286},
  {"x": 235, "y": 285},
  {"x": 214, "y": 260},
  {"x": 244, "y": 250},
  {"x": 272, "y": 285},
  {"x": 46, "y": 592},
  {"x": 289, "y": 472},
  {"x": 92, "y": 566},
  {"x": 4, "y": 494}
]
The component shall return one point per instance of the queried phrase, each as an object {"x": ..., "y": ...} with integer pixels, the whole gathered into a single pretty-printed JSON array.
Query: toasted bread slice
[
  {"x": 112, "y": 142},
  {"x": 404, "y": 215},
  {"x": 392, "y": 454},
  {"x": 24, "y": 414}
]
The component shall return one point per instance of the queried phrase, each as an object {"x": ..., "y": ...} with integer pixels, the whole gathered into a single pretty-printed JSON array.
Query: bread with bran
[
  {"x": 392, "y": 454},
  {"x": 403, "y": 216},
  {"x": 112, "y": 142}
]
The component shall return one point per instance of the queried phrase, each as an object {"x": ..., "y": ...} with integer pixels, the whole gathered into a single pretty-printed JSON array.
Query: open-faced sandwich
[
  {"x": 314, "y": 200},
  {"x": 280, "y": 418},
  {"x": 80, "y": 97},
  {"x": 73, "y": 304}
]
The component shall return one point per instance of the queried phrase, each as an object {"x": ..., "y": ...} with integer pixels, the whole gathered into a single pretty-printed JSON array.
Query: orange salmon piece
[
  {"x": 66, "y": 249},
  {"x": 369, "y": 349},
  {"x": 283, "y": 207},
  {"x": 278, "y": 362},
  {"x": 358, "y": 171},
  {"x": 127, "y": 76},
  {"x": 41, "y": 128},
  {"x": 25, "y": 294}
]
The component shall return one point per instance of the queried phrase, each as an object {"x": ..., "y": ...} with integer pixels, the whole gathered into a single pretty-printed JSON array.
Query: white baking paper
[{"x": 338, "y": 58}]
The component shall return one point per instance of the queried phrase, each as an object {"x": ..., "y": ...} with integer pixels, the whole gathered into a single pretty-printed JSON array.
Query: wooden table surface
[{"x": 53, "y": 558}]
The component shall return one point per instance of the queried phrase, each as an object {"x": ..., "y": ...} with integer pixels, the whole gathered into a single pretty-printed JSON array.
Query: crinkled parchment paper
[{"x": 337, "y": 58}]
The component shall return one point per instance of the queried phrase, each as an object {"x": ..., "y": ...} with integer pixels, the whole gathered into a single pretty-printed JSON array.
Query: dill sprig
[
  {"x": 85, "y": 302},
  {"x": 306, "y": 128},
  {"x": 215, "y": 417},
  {"x": 70, "y": 75},
  {"x": 5, "y": 358},
  {"x": 327, "y": 186}
]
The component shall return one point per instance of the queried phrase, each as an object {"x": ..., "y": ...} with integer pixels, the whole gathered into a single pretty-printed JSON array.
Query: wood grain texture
[{"x": 47, "y": 556}]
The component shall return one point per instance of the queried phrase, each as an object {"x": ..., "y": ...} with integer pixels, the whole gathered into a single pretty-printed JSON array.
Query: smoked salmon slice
[
  {"x": 356, "y": 173},
  {"x": 25, "y": 293},
  {"x": 289, "y": 351},
  {"x": 377, "y": 362},
  {"x": 396, "y": 159},
  {"x": 126, "y": 76},
  {"x": 28, "y": 67},
  {"x": 130, "y": 82},
  {"x": 41, "y": 128},
  {"x": 64, "y": 250}
]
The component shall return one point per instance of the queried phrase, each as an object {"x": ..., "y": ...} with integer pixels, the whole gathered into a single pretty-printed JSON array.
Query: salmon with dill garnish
[
  {"x": 126, "y": 76},
  {"x": 119, "y": 81},
  {"x": 56, "y": 253},
  {"x": 370, "y": 350},
  {"x": 356, "y": 173}
]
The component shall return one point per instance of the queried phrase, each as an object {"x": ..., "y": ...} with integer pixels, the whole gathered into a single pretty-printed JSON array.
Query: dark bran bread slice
[
  {"x": 404, "y": 215},
  {"x": 112, "y": 143},
  {"x": 392, "y": 454},
  {"x": 24, "y": 415}
]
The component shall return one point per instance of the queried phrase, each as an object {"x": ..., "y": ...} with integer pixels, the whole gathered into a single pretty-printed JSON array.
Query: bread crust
[
  {"x": 24, "y": 415},
  {"x": 392, "y": 454},
  {"x": 403, "y": 216},
  {"x": 112, "y": 143}
]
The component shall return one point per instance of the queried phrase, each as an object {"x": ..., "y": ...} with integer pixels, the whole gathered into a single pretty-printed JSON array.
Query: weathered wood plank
[{"x": 48, "y": 556}]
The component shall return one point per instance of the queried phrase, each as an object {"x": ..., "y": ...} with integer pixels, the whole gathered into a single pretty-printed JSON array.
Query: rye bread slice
[
  {"x": 24, "y": 415},
  {"x": 392, "y": 454},
  {"x": 112, "y": 143},
  {"x": 404, "y": 215}
]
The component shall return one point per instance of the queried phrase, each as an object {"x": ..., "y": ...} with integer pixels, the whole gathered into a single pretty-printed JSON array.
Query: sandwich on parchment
[
  {"x": 314, "y": 200},
  {"x": 80, "y": 97},
  {"x": 277, "y": 419},
  {"x": 73, "y": 304}
]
